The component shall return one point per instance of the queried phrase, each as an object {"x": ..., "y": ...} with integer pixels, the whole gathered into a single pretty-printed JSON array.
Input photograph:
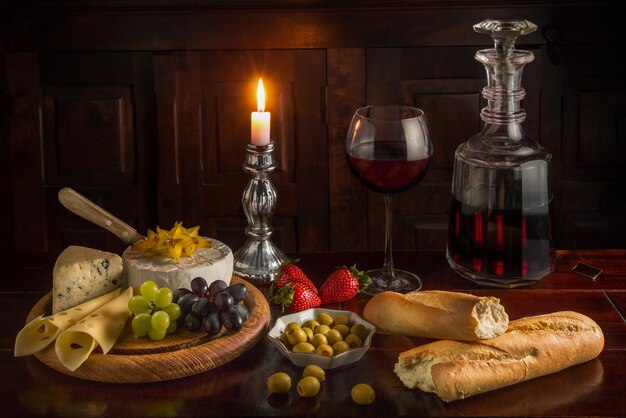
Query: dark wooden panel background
[{"x": 144, "y": 107}]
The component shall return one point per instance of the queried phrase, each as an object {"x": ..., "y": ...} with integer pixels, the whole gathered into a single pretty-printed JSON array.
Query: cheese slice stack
[
  {"x": 100, "y": 328},
  {"x": 41, "y": 331}
]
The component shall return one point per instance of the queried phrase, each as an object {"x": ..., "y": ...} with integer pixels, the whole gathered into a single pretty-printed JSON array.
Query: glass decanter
[{"x": 500, "y": 224}]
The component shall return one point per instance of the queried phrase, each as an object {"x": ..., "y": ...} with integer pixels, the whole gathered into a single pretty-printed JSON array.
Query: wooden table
[{"x": 27, "y": 387}]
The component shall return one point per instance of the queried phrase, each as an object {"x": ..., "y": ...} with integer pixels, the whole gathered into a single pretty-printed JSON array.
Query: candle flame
[{"x": 260, "y": 96}]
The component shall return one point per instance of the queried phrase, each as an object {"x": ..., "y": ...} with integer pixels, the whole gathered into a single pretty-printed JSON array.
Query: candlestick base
[{"x": 259, "y": 260}]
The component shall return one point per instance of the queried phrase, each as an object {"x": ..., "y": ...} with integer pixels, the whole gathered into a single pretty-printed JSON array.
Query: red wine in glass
[
  {"x": 383, "y": 166},
  {"x": 388, "y": 149}
]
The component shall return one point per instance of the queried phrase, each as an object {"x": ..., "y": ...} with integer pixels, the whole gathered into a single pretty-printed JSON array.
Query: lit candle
[{"x": 260, "y": 128}]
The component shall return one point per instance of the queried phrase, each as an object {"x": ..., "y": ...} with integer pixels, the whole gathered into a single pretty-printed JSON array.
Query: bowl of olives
[{"x": 325, "y": 337}]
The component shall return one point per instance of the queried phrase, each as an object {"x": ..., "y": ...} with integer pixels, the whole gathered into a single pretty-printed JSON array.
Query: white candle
[{"x": 260, "y": 127}]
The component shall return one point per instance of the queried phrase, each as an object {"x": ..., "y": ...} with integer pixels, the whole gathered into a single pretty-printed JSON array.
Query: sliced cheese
[
  {"x": 100, "y": 328},
  {"x": 209, "y": 263},
  {"x": 43, "y": 330},
  {"x": 82, "y": 273}
]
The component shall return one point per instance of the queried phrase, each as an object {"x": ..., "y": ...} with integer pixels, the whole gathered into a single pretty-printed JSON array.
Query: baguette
[
  {"x": 531, "y": 347},
  {"x": 437, "y": 314}
]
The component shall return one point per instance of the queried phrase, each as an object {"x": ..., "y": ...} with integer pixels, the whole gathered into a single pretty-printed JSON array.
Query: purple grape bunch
[{"x": 209, "y": 307}]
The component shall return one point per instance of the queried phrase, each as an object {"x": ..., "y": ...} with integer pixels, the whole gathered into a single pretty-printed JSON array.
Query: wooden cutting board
[{"x": 184, "y": 353}]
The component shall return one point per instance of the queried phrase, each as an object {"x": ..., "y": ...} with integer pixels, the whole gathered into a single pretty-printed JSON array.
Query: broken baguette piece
[
  {"x": 531, "y": 347},
  {"x": 437, "y": 314}
]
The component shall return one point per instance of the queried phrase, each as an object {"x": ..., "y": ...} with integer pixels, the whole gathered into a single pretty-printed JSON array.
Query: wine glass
[{"x": 389, "y": 150}]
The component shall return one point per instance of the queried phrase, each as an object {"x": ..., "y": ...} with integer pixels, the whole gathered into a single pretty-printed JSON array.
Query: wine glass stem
[{"x": 388, "y": 265}]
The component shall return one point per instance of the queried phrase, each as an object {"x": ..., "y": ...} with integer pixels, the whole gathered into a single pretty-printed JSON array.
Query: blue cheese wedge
[{"x": 81, "y": 274}]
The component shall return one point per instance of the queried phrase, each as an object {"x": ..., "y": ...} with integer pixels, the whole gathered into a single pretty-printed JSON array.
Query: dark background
[{"x": 144, "y": 107}]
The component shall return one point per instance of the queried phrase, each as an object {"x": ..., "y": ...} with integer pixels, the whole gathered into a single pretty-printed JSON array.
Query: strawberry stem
[
  {"x": 288, "y": 261},
  {"x": 283, "y": 296},
  {"x": 363, "y": 279}
]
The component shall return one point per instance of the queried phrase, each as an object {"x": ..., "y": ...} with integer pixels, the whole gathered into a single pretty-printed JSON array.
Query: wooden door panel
[
  {"x": 348, "y": 205},
  {"x": 88, "y": 135},
  {"x": 594, "y": 128},
  {"x": 29, "y": 213},
  {"x": 593, "y": 150},
  {"x": 93, "y": 134},
  {"x": 205, "y": 100}
]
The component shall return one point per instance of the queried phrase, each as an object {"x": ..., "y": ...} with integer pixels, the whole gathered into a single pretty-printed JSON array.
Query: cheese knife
[{"x": 85, "y": 208}]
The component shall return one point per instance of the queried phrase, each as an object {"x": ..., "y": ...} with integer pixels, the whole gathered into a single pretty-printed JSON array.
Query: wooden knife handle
[{"x": 86, "y": 209}]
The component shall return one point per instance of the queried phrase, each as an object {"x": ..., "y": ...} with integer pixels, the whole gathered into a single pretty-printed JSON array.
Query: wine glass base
[{"x": 401, "y": 282}]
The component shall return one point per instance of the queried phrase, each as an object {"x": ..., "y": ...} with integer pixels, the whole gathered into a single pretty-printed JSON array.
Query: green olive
[
  {"x": 354, "y": 341},
  {"x": 343, "y": 330},
  {"x": 321, "y": 329},
  {"x": 315, "y": 371},
  {"x": 279, "y": 382},
  {"x": 324, "y": 350},
  {"x": 292, "y": 325},
  {"x": 340, "y": 347},
  {"x": 311, "y": 323},
  {"x": 308, "y": 386},
  {"x": 283, "y": 339},
  {"x": 333, "y": 336},
  {"x": 360, "y": 330},
  {"x": 319, "y": 339},
  {"x": 296, "y": 335},
  {"x": 342, "y": 320},
  {"x": 363, "y": 394},
  {"x": 325, "y": 319},
  {"x": 309, "y": 333},
  {"x": 303, "y": 348}
]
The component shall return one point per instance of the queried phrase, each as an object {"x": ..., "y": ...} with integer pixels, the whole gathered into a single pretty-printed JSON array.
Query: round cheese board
[{"x": 184, "y": 353}]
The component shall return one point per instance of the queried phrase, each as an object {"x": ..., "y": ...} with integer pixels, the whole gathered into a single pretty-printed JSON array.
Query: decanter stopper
[{"x": 505, "y": 32}]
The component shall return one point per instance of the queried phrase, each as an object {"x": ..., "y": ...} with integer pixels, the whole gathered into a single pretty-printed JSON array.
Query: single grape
[
  {"x": 212, "y": 324},
  {"x": 138, "y": 305},
  {"x": 179, "y": 292},
  {"x": 238, "y": 291},
  {"x": 160, "y": 321},
  {"x": 200, "y": 307},
  {"x": 148, "y": 290},
  {"x": 223, "y": 301},
  {"x": 186, "y": 301},
  {"x": 141, "y": 324},
  {"x": 199, "y": 286},
  {"x": 213, "y": 307},
  {"x": 192, "y": 322},
  {"x": 163, "y": 297},
  {"x": 231, "y": 319},
  {"x": 172, "y": 328},
  {"x": 243, "y": 311},
  {"x": 157, "y": 335},
  {"x": 173, "y": 310},
  {"x": 216, "y": 287}
]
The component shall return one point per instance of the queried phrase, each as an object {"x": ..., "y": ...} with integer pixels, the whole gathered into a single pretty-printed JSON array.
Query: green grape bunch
[{"x": 154, "y": 312}]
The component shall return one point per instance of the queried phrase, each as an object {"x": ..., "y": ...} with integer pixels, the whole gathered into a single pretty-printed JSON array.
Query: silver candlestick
[{"x": 259, "y": 260}]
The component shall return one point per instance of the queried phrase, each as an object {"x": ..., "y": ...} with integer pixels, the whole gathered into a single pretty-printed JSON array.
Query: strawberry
[
  {"x": 289, "y": 272},
  {"x": 343, "y": 284},
  {"x": 296, "y": 297}
]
